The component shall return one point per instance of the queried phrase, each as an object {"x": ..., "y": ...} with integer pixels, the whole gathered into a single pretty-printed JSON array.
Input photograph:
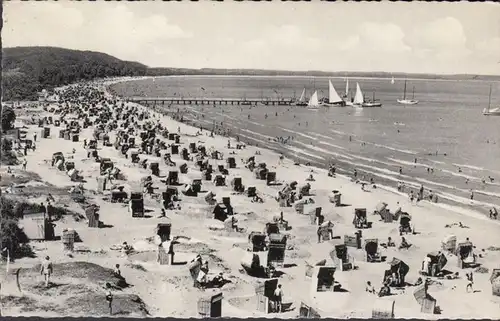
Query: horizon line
[{"x": 267, "y": 70}]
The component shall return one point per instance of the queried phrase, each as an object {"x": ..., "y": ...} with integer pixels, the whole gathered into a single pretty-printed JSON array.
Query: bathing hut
[
  {"x": 438, "y": 262},
  {"x": 383, "y": 309},
  {"x": 69, "y": 165},
  {"x": 336, "y": 198},
  {"x": 353, "y": 241},
  {"x": 101, "y": 183},
  {"x": 220, "y": 180},
  {"x": 307, "y": 312},
  {"x": 341, "y": 258},
  {"x": 106, "y": 164},
  {"x": 251, "y": 191},
  {"x": 173, "y": 178},
  {"x": 400, "y": 269},
  {"x": 495, "y": 282},
  {"x": 237, "y": 185},
  {"x": 73, "y": 174},
  {"x": 276, "y": 252},
  {"x": 136, "y": 204},
  {"x": 264, "y": 292},
  {"x": 405, "y": 223},
  {"x": 155, "y": 168},
  {"x": 372, "y": 251},
  {"x": 425, "y": 300},
  {"x": 58, "y": 160},
  {"x": 37, "y": 226},
  {"x": 68, "y": 239},
  {"x": 270, "y": 178},
  {"x": 360, "y": 220},
  {"x": 465, "y": 255},
  {"x": 92, "y": 215},
  {"x": 257, "y": 242},
  {"x": 231, "y": 162},
  {"x": 46, "y": 132},
  {"x": 384, "y": 213},
  {"x": 163, "y": 231},
  {"x": 449, "y": 243},
  {"x": 210, "y": 304},
  {"x": 192, "y": 148},
  {"x": 323, "y": 279}
]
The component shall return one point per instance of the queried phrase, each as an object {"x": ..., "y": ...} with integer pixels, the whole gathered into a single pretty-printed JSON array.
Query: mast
[
  {"x": 373, "y": 95},
  {"x": 413, "y": 96},
  {"x": 404, "y": 93},
  {"x": 489, "y": 100}
]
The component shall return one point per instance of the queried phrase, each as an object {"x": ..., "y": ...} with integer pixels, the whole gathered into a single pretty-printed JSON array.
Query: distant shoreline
[{"x": 308, "y": 76}]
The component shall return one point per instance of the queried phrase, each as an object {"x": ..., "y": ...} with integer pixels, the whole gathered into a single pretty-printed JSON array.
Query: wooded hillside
[{"x": 27, "y": 70}]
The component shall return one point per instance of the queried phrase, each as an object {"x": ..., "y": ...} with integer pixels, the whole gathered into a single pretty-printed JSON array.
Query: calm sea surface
[{"x": 448, "y": 120}]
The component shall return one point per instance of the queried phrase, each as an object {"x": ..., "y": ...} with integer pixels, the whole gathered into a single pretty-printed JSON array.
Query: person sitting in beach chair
[
  {"x": 404, "y": 244},
  {"x": 257, "y": 199},
  {"x": 310, "y": 178},
  {"x": 305, "y": 190},
  {"x": 390, "y": 242},
  {"x": 384, "y": 291}
]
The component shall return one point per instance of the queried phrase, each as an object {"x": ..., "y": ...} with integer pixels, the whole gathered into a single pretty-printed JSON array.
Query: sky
[{"x": 441, "y": 38}]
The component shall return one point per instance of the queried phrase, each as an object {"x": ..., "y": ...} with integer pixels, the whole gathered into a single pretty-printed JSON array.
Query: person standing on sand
[
  {"x": 470, "y": 282},
  {"x": 46, "y": 270},
  {"x": 109, "y": 298},
  {"x": 25, "y": 162},
  {"x": 34, "y": 137},
  {"x": 278, "y": 297}
]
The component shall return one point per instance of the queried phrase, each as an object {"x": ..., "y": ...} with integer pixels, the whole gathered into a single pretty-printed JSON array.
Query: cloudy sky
[{"x": 407, "y": 37}]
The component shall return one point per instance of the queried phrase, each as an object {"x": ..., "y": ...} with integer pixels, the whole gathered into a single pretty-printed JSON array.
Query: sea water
[{"x": 445, "y": 131}]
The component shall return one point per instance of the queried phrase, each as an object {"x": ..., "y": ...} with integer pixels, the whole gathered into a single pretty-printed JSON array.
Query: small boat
[
  {"x": 313, "y": 102},
  {"x": 405, "y": 101},
  {"x": 302, "y": 99},
  {"x": 372, "y": 103},
  {"x": 392, "y": 81},
  {"x": 491, "y": 112},
  {"x": 333, "y": 98}
]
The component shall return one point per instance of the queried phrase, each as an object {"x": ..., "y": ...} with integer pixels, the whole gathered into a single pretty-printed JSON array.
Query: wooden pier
[{"x": 207, "y": 101}]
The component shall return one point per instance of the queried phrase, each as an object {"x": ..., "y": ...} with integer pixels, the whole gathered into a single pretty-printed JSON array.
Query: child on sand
[
  {"x": 369, "y": 287},
  {"x": 470, "y": 282},
  {"x": 109, "y": 298},
  {"x": 46, "y": 270}
]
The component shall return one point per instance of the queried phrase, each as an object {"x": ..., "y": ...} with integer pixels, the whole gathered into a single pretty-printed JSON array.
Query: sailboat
[
  {"x": 491, "y": 112},
  {"x": 405, "y": 101},
  {"x": 358, "y": 97},
  {"x": 372, "y": 103},
  {"x": 333, "y": 97},
  {"x": 302, "y": 99},
  {"x": 392, "y": 81},
  {"x": 313, "y": 102},
  {"x": 348, "y": 102}
]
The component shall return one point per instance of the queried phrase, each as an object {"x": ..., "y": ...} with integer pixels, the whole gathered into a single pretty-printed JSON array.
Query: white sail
[
  {"x": 332, "y": 93},
  {"x": 358, "y": 98},
  {"x": 303, "y": 95},
  {"x": 314, "y": 102},
  {"x": 347, "y": 87},
  {"x": 392, "y": 80}
]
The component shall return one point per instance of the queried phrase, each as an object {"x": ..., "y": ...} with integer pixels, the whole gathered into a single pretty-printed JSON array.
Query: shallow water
[{"x": 376, "y": 141}]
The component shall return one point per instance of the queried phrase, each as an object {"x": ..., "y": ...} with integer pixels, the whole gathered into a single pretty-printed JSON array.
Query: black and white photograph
[{"x": 245, "y": 159}]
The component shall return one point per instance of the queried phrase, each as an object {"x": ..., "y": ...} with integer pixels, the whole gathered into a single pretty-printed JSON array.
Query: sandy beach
[{"x": 167, "y": 290}]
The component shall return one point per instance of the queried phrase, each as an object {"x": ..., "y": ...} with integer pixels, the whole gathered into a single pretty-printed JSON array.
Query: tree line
[{"x": 28, "y": 70}]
